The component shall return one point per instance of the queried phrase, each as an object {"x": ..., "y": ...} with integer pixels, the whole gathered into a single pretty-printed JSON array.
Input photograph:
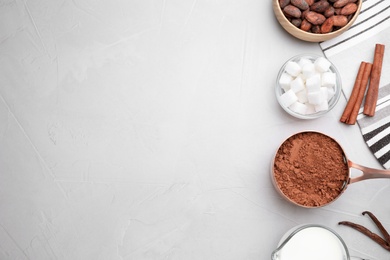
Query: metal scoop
[{"x": 367, "y": 173}]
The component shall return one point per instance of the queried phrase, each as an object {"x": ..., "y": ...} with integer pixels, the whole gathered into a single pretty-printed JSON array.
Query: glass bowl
[
  {"x": 311, "y": 241},
  {"x": 329, "y": 77}
]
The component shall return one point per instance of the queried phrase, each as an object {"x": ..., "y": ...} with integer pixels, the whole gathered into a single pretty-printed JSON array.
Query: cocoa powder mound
[{"x": 310, "y": 169}]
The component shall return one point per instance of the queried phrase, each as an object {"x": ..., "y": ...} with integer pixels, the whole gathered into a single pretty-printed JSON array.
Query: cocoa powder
[{"x": 310, "y": 169}]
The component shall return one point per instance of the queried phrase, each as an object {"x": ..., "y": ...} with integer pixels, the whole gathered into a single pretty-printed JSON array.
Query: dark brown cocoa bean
[
  {"x": 316, "y": 29},
  {"x": 329, "y": 11},
  {"x": 319, "y": 6},
  {"x": 284, "y": 3},
  {"x": 292, "y": 11},
  {"x": 304, "y": 13},
  {"x": 337, "y": 11},
  {"x": 296, "y": 22},
  {"x": 301, "y": 4},
  {"x": 340, "y": 3},
  {"x": 340, "y": 20},
  {"x": 315, "y": 18},
  {"x": 313, "y": 15},
  {"x": 305, "y": 25},
  {"x": 349, "y": 9},
  {"x": 327, "y": 26}
]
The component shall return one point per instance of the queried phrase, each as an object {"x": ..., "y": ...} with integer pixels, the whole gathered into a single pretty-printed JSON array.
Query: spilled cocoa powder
[{"x": 310, "y": 169}]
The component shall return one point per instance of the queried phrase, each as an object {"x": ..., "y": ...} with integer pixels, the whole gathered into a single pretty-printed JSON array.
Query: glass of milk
[{"x": 311, "y": 241}]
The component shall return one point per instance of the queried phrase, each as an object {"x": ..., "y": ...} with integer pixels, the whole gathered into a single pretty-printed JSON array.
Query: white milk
[{"x": 313, "y": 243}]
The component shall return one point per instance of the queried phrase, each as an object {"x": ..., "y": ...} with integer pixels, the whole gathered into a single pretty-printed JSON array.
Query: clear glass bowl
[
  {"x": 311, "y": 241},
  {"x": 331, "y": 103}
]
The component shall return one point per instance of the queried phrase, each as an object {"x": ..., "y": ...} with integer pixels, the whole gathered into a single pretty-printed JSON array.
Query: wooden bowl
[{"x": 308, "y": 36}]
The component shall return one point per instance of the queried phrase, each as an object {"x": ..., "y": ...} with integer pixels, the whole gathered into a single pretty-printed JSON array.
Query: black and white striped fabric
[{"x": 354, "y": 46}]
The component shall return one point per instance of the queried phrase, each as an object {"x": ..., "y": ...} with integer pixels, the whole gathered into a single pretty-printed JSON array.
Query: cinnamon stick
[
  {"x": 354, "y": 95},
  {"x": 363, "y": 86},
  {"x": 373, "y": 88}
]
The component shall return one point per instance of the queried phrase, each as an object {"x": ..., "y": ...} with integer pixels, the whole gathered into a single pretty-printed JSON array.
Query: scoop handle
[{"x": 368, "y": 173}]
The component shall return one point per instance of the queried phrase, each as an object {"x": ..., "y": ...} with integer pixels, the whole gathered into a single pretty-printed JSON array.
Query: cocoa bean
[
  {"x": 304, "y": 13},
  {"x": 340, "y": 20},
  {"x": 296, "y": 22},
  {"x": 315, "y": 18},
  {"x": 292, "y": 11},
  {"x": 284, "y": 3},
  {"x": 305, "y": 25},
  {"x": 329, "y": 11},
  {"x": 316, "y": 29},
  {"x": 340, "y": 3},
  {"x": 349, "y": 9},
  {"x": 327, "y": 26},
  {"x": 319, "y": 6},
  {"x": 319, "y": 16},
  {"x": 301, "y": 4}
]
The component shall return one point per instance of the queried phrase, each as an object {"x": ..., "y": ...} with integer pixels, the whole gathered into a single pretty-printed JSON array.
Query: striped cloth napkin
[{"x": 347, "y": 51}]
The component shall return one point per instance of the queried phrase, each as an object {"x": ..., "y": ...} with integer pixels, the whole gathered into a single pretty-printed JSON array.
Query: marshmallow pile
[{"x": 308, "y": 85}]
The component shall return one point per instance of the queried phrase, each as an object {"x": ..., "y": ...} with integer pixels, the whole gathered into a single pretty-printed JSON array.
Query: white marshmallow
[
  {"x": 331, "y": 93},
  {"x": 322, "y": 64},
  {"x": 293, "y": 68},
  {"x": 322, "y": 107},
  {"x": 304, "y": 61},
  {"x": 297, "y": 84},
  {"x": 328, "y": 79},
  {"x": 315, "y": 98},
  {"x": 324, "y": 91},
  {"x": 308, "y": 70},
  {"x": 288, "y": 98},
  {"x": 310, "y": 109},
  {"x": 313, "y": 83},
  {"x": 302, "y": 96},
  {"x": 285, "y": 81},
  {"x": 298, "y": 107}
]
